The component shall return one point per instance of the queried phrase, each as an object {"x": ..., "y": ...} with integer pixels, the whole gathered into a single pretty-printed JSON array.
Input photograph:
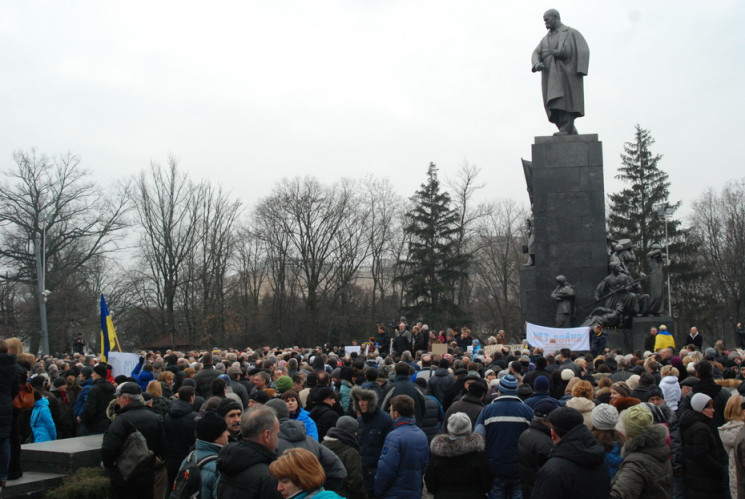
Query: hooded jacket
[
  {"x": 585, "y": 406},
  {"x": 374, "y": 426},
  {"x": 440, "y": 383},
  {"x": 244, "y": 472},
  {"x": 670, "y": 391},
  {"x": 646, "y": 471},
  {"x": 310, "y": 426},
  {"x": 292, "y": 435},
  {"x": 42, "y": 424},
  {"x": 458, "y": 468},
  {"x": 180, "y": 425},
  {"x": 702, "y": 456},
  {"x": 345, "y": 446},
  {"x": 576, "y": 469}
]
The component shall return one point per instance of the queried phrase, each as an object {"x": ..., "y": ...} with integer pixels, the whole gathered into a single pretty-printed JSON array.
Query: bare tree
[
  {"x": 52, "y": 198},
  {"x": 497, "y": 263},
  {"x": 718, "y": 226},
  {"x": 251, "y": 266},
  {"x": 169, "y": 210}
]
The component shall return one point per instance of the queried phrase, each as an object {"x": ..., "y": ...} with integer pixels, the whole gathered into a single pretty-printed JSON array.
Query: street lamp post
[{"x": 41, "y": 284}]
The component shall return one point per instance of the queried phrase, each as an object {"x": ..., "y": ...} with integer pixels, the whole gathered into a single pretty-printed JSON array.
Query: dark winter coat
[
  {"x": 402, "y": 385},
  {"x": 458, "y": 468},
  {"x": 432, "y": 418},
  {"x": 533, "y": 449},
  {"x": 9, "y": 386},
  {"x": 702, "y": 457},
  {"x": 576, "y": 469},
  {"x": 181, "y": 425},
  {"x": 292, "y": 435},
  {"x": 94, "y": 416},
  {"x": 440, "y": 383},
  {"x": 468, "y": 404},
  {"x": 325, "y": 417},
  {"x": 402, "y": 462},
  {"x": 646, "y": 472},
  {"x": 133, "y": 416},
  {"x": 374, "y": 426},
  {"x": 244, "y": 472},
  {"x": 204, "y": 379},
  {"x": 346, "y": 447}
]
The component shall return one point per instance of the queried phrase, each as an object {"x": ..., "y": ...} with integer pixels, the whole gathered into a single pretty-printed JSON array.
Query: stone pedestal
[{"x": 568, "y": 225}]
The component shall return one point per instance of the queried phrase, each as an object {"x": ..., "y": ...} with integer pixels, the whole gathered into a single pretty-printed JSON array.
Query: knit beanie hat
[
  {"x": 508, "y": 385},
  {"x": 348, "y": 423},
  {"x": 541, "y": 384},
  {"x": 567, "y": 374},
  {"x": 86, "y": 372},
  {"x": 604, "y": 417},
  {"x": 459, "y": 425},
  {"x": 280, "y": 407},
  {"x": 283, "y": 384},
  {"x": 226, "y": 405},
  {"x": 210, "y": 427},
  {"x": 699, "y": 401},
  {"x": 100, "y": 369},
  {"x": 654, "y": 391},
  {"x": 636, "y": 419}
]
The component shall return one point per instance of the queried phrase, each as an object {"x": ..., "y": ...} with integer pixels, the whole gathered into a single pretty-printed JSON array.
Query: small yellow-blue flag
[{"x": 108, "y": 334}]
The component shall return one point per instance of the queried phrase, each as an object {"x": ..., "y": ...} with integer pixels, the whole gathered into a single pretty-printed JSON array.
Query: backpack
[
  {"x": 188, "y": 482},
  {"x": 135, "y": 455}
]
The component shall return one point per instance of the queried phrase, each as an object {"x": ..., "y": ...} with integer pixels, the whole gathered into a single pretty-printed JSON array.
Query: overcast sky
[{"x": 246, "y": 92}]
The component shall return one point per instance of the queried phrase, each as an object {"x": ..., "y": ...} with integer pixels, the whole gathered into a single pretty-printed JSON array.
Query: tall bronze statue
[
  {"x": 563, "y": 295},
  {"x": 562, "y": 57}
]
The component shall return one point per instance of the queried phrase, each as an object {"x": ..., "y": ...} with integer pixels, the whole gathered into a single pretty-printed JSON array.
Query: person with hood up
[
  {"x": 374, "y": 426},
  {"x": 292, "y": 435},
  {"x": 703, "y": 464},
  {"x": 342, "y": 441},
  {"x": 670, "y": 386},
  {"x": 646, "y": 471},
  {"x": 576, "y": 468},
  {"x": 458, "y": 468}
]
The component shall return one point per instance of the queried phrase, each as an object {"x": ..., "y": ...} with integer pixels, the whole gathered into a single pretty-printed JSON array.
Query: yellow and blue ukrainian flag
[{"x": 108, "y": 334}]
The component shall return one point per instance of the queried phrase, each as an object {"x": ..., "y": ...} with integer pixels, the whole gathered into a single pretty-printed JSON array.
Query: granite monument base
[{"x": 633, "y": 339}]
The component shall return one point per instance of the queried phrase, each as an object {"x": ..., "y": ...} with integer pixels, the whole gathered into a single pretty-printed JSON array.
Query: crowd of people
[{"x": 391, "y": 419}]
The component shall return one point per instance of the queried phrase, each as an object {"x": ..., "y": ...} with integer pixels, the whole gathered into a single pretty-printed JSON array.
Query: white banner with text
[{"x": 555, "y": 338}]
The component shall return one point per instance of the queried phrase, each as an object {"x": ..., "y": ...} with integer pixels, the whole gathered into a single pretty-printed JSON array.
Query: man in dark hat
[
  {"x": 212, "y": 435},
  {"x": 99, "y": 396},
  {"x": 231, "y": 411},
  {"x": 577, "y": 466},
  {"x": 133, "y": 415}
]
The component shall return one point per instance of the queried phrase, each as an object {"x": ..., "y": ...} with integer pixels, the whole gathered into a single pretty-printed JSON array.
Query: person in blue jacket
[
  {"x": 42, "y": 424},
  {"x": 404, "y": 456},
  {"x": 292, "y": 400}
]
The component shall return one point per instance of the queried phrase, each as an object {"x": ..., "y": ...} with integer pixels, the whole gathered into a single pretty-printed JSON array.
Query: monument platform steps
[{"x": 45, "y": 464}]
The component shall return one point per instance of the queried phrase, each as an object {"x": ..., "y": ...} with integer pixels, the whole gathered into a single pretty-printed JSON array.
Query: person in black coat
[
  {"x": 695, "y": 338},
  {"x": 374, "y": 425},
  {"x": 9, "y": 385},
  {"x": 458, "y": 467},
  {"x": 100, "y": 395},
  {"x": 133, "y": 415},
  {"x": 441, "y": 381},
  {"x": 180, "y": 425},
  {"x": 324, "y": 412},
  {"x": 535, "y": 444},
  {"x": 244, "y": 465},
  {"x": 701, "y": 453},
  {"x": 576, "y": 468},
  {"x": 402, "y": 385}
]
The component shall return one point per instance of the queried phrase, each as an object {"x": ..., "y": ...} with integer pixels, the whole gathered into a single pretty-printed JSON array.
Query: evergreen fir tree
[
  {"x": 432, "y": 266},
  {"x": 638, "y": 212}
]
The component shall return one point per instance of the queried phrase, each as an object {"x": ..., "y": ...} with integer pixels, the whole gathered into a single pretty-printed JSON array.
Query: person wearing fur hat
[
  {"x": 458, "y": 467},
  {"x": 342, "y": 441},
  {"x": 501, "y": 423},
  {"x": 645, "y": 471},
  {"x": 576, "y": 467},
  {"x": 535, "y": 444},
  {"x": 604, "y": 421},
  {"x": 374, "y": 425},
  {"x": 701, "y": 450}
]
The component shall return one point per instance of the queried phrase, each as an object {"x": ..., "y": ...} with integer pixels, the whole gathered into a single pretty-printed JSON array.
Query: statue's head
[
  {"x": 552, "y": 19},
  {"x": 615, "y": 268},
  {"x": 561, "y": 279}
]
